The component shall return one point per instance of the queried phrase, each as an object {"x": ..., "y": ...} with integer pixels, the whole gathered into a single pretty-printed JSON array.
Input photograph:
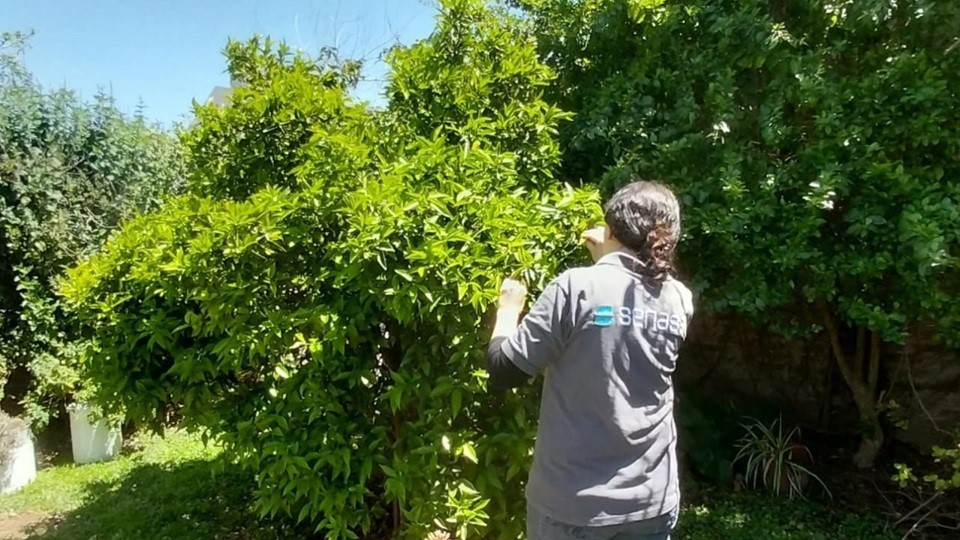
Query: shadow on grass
[{"x": 153, "y": 502}]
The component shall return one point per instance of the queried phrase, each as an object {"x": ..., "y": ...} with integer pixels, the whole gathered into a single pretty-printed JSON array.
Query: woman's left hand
[{"x": 513, "y": 295}]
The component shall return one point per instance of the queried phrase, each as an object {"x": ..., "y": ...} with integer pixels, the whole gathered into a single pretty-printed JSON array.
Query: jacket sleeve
[
  {"x": 543, "y": 333},
  {"x": 504, "y": 374}
]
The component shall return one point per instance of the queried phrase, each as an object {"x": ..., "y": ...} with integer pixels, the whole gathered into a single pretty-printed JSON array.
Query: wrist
[
  {"x": 508, "y": 312},
  {"x": 508, "y": 319}
]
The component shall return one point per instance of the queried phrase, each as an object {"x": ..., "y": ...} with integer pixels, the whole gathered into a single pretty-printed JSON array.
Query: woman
[{"x": 606, "y": 339}]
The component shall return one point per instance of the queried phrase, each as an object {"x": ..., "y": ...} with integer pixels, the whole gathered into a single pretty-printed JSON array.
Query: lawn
[{"x": 167, "y": 489}]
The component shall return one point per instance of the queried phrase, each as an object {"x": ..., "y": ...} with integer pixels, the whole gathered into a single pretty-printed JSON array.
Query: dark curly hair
[{"x": 645, "y": 217}]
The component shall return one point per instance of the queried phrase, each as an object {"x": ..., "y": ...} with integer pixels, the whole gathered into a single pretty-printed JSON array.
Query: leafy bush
[
  {"x": 814, "y": 145},
  {"x": 933, "y": 501},
  {"x": 707, "y": 436},
  {"x": 318, "y": 302},
  {"x": 70, "y": 172},
  {"x": 949, "y": 458},
  {"x": 224, "y": 165}
]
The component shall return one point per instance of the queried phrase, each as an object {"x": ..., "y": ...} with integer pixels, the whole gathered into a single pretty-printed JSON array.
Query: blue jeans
[{"x": 540, "y": 527}]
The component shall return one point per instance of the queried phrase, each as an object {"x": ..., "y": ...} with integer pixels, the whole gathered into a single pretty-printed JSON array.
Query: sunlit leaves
[
  {"x": 70, "y": 173},
  {"x": 320, "y": 301}
]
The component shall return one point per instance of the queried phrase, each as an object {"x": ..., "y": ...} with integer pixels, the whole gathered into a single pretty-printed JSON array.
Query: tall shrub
[
  {"x": 815, "y": 145},
  {"x": 70, "y": 172},
  {"x": 318, "y": 302}
]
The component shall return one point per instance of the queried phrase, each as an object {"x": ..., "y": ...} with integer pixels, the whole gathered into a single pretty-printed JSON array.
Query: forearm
[{"x": 504, "y": 374}]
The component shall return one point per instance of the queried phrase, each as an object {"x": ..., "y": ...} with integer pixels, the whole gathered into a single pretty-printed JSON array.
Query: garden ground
[{"x": 170, "y": 489}]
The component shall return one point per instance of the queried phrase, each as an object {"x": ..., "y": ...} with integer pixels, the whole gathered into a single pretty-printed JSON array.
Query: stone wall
[
  {"x": 727, "y": 358},
  {"x": 934, "y": 371}
]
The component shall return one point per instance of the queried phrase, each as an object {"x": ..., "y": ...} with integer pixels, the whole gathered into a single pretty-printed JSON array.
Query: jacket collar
[{"x": 623, "y": 258}]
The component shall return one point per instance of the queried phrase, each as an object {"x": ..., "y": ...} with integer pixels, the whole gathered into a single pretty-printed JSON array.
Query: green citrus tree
[{"x": 318, "y": 302}]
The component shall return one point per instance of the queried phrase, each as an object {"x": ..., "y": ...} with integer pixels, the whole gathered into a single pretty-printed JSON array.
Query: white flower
[{"x": 827, "y": 202}]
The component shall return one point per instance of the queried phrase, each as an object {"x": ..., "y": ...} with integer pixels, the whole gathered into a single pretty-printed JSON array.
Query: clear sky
[{"x": 168, "y": 52}]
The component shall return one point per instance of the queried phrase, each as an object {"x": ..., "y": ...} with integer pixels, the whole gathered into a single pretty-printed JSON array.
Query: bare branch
[
  {"x": 954, "y": 45},
  {"x": 919, "y": 507},
  {"x": 916, "y": 395}
]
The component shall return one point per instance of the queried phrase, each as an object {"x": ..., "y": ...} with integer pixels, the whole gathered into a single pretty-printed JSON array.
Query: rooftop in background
[{"x": 220, "y": 95}]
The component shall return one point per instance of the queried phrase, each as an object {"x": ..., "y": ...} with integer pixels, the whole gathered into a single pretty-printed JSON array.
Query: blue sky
[{"x": 168, "y": 52}]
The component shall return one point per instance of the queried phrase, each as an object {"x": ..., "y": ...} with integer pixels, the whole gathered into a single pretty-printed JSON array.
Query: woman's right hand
[{"x": 594, "y": 238}]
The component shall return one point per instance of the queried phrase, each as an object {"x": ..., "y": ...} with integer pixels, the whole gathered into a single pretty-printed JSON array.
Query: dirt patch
[{"x": 23, "y": 525}]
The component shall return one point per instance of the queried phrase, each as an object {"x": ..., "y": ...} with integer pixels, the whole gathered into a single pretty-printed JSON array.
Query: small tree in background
[
  {"x": 70, "y": 173},
  {"x": 815, "y": 145}
]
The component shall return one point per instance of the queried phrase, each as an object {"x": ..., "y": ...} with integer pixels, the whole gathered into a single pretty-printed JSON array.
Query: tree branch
[
  {"x": 954, "y": 45},
  {"x": 874, "y": 367},
  {"x": 827, "y": 396},
  {"x": 833, "y": 330},
  {"x": 861, "y": 352},
  {"x": 919, "y": 507}
]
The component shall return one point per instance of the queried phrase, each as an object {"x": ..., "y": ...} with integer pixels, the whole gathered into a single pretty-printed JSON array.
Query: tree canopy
[
  {"x": 317, "y": 302},
  {"x": 815, "y": 146}
]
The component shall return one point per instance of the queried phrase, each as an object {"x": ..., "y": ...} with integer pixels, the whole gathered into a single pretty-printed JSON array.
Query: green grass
[
  {"x": 65, "y": 488},
  {"x": 167, "y": 490}
]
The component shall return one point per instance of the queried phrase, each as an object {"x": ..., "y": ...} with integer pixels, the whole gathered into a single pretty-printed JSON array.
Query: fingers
[
  {"x": 594, "y": 235},
  {"x": 594, "y": 239},
  {"x": 513, "y": 287}
]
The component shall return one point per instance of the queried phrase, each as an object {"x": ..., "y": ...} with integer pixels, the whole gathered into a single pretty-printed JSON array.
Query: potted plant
[
  {"x": 18, "y": 463},
  {"x": 93, "y": 436},
  {"x": 775, "y": 460}
]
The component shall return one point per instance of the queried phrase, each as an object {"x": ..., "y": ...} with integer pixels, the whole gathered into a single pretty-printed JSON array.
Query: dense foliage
[
  {"x": 70, "y": 172},
  {"x": 815, "y": 145},
  {"x": 747, "y": 516},
  {"x": 318, "y": 301}
]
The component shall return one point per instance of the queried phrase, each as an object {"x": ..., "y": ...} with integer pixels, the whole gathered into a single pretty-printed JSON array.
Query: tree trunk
[
  {"x": 872, "y": 438},
  {"x": 861, "y": 372}
]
